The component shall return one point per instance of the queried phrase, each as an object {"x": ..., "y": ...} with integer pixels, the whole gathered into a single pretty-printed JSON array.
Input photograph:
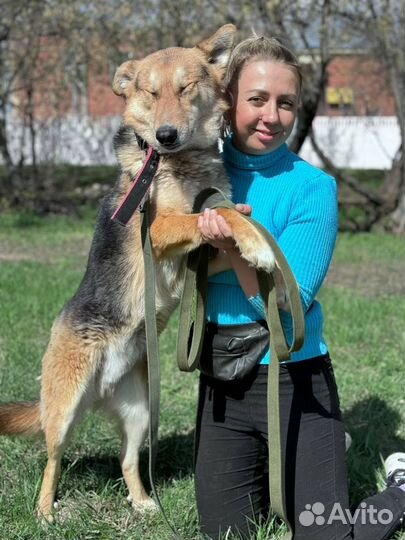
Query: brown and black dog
[{"x": 97, "y": 353}]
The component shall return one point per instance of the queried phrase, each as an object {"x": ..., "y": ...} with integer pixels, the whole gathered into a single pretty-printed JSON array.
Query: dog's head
[{"x": 174, "y": 99}]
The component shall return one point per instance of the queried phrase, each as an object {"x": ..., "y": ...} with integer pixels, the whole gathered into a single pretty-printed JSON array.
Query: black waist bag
[{"x": 230, "y": 352}]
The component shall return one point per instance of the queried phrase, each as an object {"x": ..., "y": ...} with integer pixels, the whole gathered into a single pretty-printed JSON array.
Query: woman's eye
[
  {"x": 257, "y": 101},
  {"x": 287, "y": 104}
]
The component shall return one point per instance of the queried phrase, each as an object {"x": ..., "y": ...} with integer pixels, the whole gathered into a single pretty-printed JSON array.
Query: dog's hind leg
[
  {"x": 130, "y": 404},
  {"x": 68, "y": 365}
]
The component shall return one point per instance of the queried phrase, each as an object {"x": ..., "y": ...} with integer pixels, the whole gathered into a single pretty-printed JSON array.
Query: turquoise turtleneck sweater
[{"x": 297, "y": 203}]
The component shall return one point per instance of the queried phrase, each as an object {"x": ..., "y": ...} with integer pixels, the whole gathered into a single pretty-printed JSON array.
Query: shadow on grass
[
  {"x": 373, "y": 426},
  {"x": 174, "y": 461},
  {"x": 176, "y": 456}
]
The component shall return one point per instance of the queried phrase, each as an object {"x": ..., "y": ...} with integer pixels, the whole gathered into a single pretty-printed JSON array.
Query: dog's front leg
[
  {"x": 178, "y": 233},
  {"x": 174, "y": 234},
  {"x": 251, "y": 243}
]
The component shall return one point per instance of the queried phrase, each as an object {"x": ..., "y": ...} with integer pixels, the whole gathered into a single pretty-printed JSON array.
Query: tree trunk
[
  {"x": 396, "y": 221},
  {"x": 303, "y": 128},
  {"x": 12, "y": 176}
]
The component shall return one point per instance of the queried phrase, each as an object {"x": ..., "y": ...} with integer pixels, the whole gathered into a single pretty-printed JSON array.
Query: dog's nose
[{"x": 166, "y": 135}]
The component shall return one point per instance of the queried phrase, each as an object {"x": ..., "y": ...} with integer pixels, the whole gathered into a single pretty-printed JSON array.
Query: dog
[{"x": 96, "y": 355}]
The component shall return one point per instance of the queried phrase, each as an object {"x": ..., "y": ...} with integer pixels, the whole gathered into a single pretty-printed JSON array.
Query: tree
[
  {"x": 381, "y": 23},
  {"x": 319, "y": 28},
  {"x": 18, "y": 55},
  {"x": 316, "y": 29}
]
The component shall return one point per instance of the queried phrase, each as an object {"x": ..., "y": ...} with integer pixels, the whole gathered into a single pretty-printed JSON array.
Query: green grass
[
  {"x": 369, "y": 248},
  {"x": 41, "y": 264}
]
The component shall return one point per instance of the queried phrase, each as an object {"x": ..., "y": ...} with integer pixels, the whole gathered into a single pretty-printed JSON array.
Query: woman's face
[{"x": 265, "y": 102}]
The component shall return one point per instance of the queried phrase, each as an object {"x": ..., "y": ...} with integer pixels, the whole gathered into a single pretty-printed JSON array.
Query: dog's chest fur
[{"x": 178, "y": 181}]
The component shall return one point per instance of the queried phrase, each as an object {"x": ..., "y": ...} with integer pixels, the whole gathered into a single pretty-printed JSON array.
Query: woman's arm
[
  {"x": 307, "y": 241},
  {"x": 309, "y": 237},
  {"x": 217, "y": 233}
]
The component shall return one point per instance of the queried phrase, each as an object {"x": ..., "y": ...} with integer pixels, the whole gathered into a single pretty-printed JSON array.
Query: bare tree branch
[{"x": 345, "y": 178}]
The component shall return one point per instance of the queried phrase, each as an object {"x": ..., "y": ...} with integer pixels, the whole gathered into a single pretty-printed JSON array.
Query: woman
[{"x": 297, "y": 203}]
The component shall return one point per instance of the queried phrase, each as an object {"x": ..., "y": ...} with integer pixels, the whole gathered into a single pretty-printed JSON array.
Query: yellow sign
[{"x": 339, "y": 96}]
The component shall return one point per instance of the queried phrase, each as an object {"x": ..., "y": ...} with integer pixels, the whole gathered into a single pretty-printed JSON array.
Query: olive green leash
[
  {"x": 152, "y": 347},
  {"x": 192, "y": 308}
]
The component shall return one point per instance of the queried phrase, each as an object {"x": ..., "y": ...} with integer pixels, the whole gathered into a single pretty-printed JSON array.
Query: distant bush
[
  {"x": 373, "y": 178},
  {"x": 71, "y": 188}
]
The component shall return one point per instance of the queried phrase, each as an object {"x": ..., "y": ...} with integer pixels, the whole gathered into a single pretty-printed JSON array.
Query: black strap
[{"x": 139, "y": 188}]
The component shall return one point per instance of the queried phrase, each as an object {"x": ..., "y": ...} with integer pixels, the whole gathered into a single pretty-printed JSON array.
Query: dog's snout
[{"x": 166, "y": 135}]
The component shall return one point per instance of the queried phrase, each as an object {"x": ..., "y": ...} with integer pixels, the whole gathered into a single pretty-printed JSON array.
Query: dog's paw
[
  {"x": 44, "y": 518},
  {"x": 143, "y": 505},
  {"x": 256, "y": 251}
]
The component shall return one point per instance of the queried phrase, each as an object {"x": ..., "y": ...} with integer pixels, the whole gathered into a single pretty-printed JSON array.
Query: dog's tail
[{"x": 20, "y": 418}]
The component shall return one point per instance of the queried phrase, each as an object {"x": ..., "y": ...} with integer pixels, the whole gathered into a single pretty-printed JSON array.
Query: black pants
[{"x": 231, "y": 458}]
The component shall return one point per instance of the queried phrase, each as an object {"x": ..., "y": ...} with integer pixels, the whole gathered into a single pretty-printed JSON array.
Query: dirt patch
[
  {"x": 76, "y": 251},
  {"x": 14, "y": 257},
  {"x": 376, "y": 280}
]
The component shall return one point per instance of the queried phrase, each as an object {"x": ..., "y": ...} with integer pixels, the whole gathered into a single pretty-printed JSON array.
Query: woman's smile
[{"x": 265, "y": 136}]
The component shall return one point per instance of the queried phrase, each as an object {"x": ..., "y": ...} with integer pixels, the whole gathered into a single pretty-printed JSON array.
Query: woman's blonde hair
[{"x": 259, "y": 48}]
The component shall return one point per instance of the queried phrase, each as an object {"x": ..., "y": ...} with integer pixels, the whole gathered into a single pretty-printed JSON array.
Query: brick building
[{"x": 357, "y": 86}]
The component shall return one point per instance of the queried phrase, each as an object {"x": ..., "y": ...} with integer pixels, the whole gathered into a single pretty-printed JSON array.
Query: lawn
[{"x": 41, "y": 264}]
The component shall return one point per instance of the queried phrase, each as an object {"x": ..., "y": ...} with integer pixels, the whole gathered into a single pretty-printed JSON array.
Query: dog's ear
[
  {"x": 218, "y": 47},
  {"x": 123, "y": 78}
]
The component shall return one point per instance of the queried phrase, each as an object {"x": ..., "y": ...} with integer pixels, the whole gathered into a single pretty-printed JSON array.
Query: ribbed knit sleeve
[
  {"x": 309, "y": 238},
  {"x": 257, "y": 302}
]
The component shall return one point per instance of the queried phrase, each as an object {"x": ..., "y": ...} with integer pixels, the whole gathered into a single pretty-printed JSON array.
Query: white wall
[
  {"x": 75, "y": 139},
  {"x": 355, "y": 142},
  {"x": 351, "y": 142}
]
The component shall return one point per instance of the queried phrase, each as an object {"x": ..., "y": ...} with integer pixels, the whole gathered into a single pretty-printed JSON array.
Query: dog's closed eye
[{"x": 187, "y": 87}]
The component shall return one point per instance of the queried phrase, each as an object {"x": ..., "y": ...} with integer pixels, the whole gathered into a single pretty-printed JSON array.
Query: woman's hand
[{"x": 215, "y": 229}]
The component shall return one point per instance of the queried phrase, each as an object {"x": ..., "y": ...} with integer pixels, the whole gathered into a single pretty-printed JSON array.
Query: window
[{"x": 339, "y": 97}]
